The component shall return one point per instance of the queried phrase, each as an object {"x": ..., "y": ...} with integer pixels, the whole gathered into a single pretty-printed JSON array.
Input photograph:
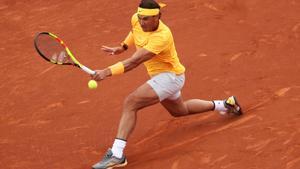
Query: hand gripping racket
[{"x": 55, "y": 51}]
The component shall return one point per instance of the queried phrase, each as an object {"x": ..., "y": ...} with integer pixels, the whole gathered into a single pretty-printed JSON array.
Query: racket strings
[
  {"x": 52, "y": 49},
  {"x": 61, "y": 58}
]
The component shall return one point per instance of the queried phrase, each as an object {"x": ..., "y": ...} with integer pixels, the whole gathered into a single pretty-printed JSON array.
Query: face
[{"x": 149, "y": 23}]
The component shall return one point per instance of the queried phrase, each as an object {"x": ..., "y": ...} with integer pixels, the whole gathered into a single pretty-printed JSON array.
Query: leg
[
  {"x": 179, "y": 107},
  {"x": 142, "y": 97}
]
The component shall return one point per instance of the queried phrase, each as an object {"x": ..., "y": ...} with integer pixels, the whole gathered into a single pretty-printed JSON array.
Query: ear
[{"x": 159, "y": 15}]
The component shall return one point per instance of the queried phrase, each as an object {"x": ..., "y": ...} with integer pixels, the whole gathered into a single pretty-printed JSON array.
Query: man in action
[{"x": 156, "y": 50}]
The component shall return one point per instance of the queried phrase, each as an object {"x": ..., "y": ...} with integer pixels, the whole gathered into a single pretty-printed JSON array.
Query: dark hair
[{"x": 149, "y": 4}]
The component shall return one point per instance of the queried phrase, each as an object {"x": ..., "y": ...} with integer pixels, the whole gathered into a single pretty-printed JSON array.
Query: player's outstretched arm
[{"x": 140, "y": 56}]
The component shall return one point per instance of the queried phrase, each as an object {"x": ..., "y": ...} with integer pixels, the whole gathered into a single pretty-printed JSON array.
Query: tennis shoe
[
  {"x": 109, "y": 161},
  {"x": 233, "y": 106}
]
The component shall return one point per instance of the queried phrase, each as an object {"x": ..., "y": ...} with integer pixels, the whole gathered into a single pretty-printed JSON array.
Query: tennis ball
[{"x": 92, "y": 84}]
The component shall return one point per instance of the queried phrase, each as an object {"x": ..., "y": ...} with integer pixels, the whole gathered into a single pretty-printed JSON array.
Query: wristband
[
  {"x": 124, "y": 46},
  {"x": 117, "y": 68}
]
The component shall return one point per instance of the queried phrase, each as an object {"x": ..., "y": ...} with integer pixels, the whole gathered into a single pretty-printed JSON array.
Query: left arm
[{"x": 140, "y": 56}]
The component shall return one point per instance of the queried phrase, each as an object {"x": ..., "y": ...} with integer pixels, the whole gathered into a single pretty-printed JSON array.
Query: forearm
[
  {"x": 128, "y": 64},
  {"x": 132, "y": 63},
  {"x": 140, "y": 56}
]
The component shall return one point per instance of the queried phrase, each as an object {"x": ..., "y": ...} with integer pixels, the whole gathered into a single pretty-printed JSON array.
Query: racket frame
[{"x": 76, "y": 62}]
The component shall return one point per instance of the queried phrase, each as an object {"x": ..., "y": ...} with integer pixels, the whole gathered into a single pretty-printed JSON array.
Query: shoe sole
[{"x": 119, "y": 165}]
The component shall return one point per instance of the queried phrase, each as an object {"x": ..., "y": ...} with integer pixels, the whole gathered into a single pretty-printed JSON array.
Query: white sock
[
  {"x": 118, "y": 148},
  {"x": 219, "y": 106}
]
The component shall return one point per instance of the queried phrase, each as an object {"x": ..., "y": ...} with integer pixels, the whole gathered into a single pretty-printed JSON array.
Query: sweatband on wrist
[
  {"x": 124, "y": 46},
  {"x": 117, "y": 68}
]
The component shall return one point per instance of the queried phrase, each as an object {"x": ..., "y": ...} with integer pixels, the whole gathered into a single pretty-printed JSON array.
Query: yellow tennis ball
[{"x": 92, "y": 84}]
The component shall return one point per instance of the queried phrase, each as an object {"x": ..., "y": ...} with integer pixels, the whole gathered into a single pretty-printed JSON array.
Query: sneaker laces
[{"x": 107, "y": 155}]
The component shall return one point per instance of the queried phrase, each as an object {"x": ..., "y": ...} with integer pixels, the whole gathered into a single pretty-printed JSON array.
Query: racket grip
[{"x": 88, "y": 70}]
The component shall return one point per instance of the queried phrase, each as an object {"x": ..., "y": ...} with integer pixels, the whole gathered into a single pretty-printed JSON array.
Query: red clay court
[{"x": 248, "y": 48}]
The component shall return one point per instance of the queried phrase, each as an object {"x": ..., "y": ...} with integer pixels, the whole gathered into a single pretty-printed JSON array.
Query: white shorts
[{"x": 167, "y": 85}]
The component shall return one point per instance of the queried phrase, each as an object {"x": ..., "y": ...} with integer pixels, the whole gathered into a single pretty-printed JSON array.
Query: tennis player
[{"x": 155, "y": 49}]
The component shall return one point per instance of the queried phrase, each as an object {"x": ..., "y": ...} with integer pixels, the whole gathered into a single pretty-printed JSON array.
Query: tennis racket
[{"x": 55, "y": 51}]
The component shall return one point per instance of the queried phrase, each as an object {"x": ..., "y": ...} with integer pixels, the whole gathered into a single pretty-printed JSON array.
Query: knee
[{"x": 131, "y": 103}]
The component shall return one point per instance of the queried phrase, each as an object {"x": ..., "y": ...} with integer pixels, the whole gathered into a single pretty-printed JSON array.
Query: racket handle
[{"x": 88, "y": 70}]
